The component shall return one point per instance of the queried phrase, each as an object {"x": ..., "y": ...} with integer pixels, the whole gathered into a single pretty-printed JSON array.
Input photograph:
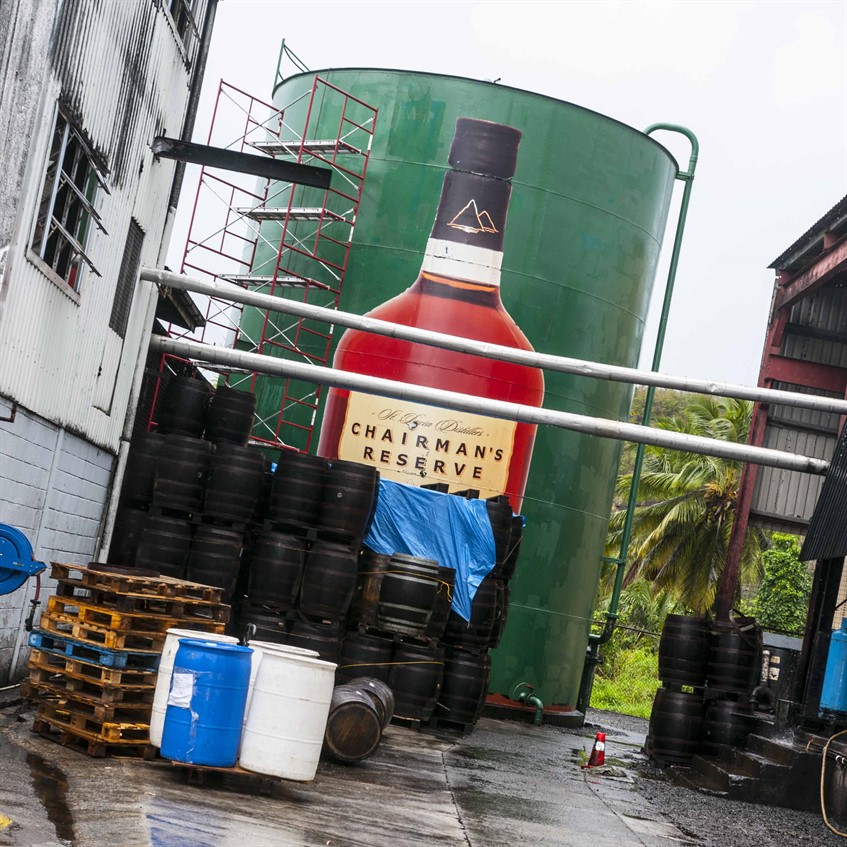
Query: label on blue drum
[{"x": 182, "y": 689}]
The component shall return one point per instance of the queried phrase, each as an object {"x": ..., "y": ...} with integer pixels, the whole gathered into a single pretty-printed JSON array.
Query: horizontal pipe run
[
  {"x": 545, "y": 361},
  {"x": 484, "y": 406}
]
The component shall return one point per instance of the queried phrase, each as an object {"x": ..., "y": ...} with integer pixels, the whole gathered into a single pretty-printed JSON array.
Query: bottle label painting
[{"x": 419, "y": 444}]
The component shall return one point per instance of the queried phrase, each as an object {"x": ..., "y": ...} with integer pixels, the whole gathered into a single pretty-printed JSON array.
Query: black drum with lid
[
  {"x": 684, "y": 650},
  {"x": 676, "y": 727},
  {"x": 735, "y": 656},
  {"x": 164, "y": 546},
  {"x": 297, "y": 489},
  {"x": 230, "y": 415},
  {"x": 348, "y": 498},
  {"x": 235, "y": 482},
  {"x": 181, "y": 408}
]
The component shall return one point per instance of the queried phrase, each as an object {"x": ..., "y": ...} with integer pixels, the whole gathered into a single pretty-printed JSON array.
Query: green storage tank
[{"x": 590, "y": 201}]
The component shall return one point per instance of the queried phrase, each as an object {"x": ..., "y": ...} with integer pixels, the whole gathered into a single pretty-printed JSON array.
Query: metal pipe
[
  {"x": 602, "y": 427},
  {"x": 545, "y": 361}
]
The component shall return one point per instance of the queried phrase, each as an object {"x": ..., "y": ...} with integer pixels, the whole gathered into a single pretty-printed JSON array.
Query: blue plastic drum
[{"x": 205, "y": 708}]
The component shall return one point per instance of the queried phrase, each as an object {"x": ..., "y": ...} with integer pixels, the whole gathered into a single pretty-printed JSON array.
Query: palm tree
[{"x": 682, "y": 524}]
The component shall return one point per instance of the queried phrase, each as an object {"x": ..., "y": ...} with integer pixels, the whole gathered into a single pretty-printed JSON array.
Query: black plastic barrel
[
  {"x": 684, "y": 650},
  {"x": 230, "y": 415},
  {"x": 329, "y": 580},
  {"x": 324, "y": 638},
  {"x": 164, "y": 546},
  {"x": 734, "y": 656},
  {"x": 181, "y": 473},
  {"x": 407, "y": 596},
  {"x": 275, "y": 570},
  {"x": 130, "y": 525},
  {"x": 365, "y": 606},
  {"x": 181, "y": 407},
  {"x": 676, "y": 727},
  {"x": 475, "y": 634},
  {"x": 364, "y": 655},
  {"x": 269, "y": 624},
  {"x": 348, "y": 498},
  {"x": 464, "y": 687},
  {"x": 297, "y": 489},
  {"x": 234, "y": 484},
  {"x": 443, "y": 603},
  {"x": 140, "y": 473},
  {"x": 215, "y": 557},
  {"x": 415, "y": 679},
  {"x": 726, "y": 722}
]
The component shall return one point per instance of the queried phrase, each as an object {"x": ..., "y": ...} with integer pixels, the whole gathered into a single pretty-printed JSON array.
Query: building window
[
  {"x": 187, "y": 19},
  {"x": 67, "y": 209},
  {"x": 127, "y": 276}
]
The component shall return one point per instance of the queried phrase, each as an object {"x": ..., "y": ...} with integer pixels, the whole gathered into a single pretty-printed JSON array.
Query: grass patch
[{"x": 628, "y": 683}]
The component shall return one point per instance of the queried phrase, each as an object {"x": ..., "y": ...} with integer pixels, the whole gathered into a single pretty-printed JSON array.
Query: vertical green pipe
[{"x": 688, "y": 179}]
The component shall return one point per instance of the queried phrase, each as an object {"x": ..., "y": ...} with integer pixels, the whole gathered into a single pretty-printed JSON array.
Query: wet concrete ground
[{"x": 505, "y": 783}]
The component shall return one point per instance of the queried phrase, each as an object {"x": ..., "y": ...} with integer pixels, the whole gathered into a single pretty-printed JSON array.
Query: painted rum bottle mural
[{"x": 457, "y": 292}]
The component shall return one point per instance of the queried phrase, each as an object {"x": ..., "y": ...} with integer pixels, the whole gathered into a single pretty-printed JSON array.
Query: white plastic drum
[
  {"x": 286, "y": 719},
  {"x": 259, "y": 649},
  {"x": 166, "y": 668}
]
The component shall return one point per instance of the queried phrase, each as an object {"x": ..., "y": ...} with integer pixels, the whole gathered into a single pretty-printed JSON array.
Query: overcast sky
[{"x": 763, "y": 84}]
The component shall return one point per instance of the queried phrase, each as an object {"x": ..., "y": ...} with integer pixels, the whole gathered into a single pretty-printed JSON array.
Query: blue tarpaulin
[{"x": 452, "y": 530}]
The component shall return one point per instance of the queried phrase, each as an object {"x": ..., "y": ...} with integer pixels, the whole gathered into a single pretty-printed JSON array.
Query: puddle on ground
[{"x": 51, "y": 788}]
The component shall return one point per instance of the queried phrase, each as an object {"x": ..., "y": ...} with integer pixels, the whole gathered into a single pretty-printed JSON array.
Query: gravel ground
[{"x": 713, "y": 820}]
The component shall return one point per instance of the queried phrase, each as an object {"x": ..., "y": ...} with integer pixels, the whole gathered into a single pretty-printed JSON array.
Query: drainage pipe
[
  {"x": 258, "y": 363},
  {"x": 545, "y": 361}
]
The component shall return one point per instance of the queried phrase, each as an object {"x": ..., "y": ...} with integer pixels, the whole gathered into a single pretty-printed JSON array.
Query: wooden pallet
[
  {"x": 69, "y": 626},
  {"x": 199, "y": 613},
  {"x": 105, "y": 618},
  {"x": 86, "y": 706},
  {"x": 199, "y": 774},
  {"x": 62, "y": 684},
  {"x": 62, "y": 645},
  {"x": 122, "y": 583},
  {"x": 92, "y": 729},
  {"x": 91, "y": 672},
  {"x": 84, "y": 743},
  {"x": 453, "y": 726}
]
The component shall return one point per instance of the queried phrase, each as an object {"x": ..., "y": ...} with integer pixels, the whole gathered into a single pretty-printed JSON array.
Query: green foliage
[
  {"x": 682, "y": 524},
  {"x": 783, "y": 598},
  {"x": 627, "y": 682}
]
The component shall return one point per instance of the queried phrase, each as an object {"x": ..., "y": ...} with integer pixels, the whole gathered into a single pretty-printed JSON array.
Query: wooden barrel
[
  {"x": 275, "y": 570},
  {"x": 365, "y": 606},
  {"x": 734, "y": 656},
  {"x": 407, "y": 595},
  {"x": 415, "y": 680},
  {"x": 381, "y": 695},
  {"x": 353, "y": 727},
  {"x": 268, "y": 623},
  {"x": 500, "y": 613},
  {"x": 475, "y": 634},
  {"x": 726, "y": 723},
  {"x": 181, "y": 407},
  {"x": 130, "y": 525},
  {"x": 364, "y": 656},
  {"x": 348, "y": 498},
  {"x": 443, "y": 603},
  {"x": 234, "y": 483},
  {"x": 230, "y": 415},
  {"x": 215, "y": 558},
  {"x": 684, "y": 650},
  {"x": 329, "y": 580},
  {"x": 507, "y": 569},
  {"x": 500, "y": 517},
  {"x": 163, "y": 548},
  {"x": 676, "y": 727},
  {"x": 323, "y": 638},
  {"x": 181, "y": 473},
  {"x": 296, "y": 490},
  {"x": 140, "y": 473},
  {"x": 464, "y": 687}
]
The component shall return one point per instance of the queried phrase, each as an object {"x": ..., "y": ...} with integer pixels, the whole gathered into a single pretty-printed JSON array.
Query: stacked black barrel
[
  {"x": 191, "y": 487},
  {"x": 708, "y": 671}
]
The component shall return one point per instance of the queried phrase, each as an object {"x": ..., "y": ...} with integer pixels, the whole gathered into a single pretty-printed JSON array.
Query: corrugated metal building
[
  {"x": 805, "y": 350},
  {"x": 85, "y": 86}
]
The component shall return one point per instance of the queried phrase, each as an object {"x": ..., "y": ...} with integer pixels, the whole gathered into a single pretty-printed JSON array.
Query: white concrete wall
[{"x": 53, "y": 488}]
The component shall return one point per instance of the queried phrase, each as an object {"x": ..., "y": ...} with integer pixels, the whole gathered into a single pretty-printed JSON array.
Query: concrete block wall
[{"x": 54, "y": 487}]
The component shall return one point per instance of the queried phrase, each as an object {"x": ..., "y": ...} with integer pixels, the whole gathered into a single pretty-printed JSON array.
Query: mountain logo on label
[{"x": 470, "y": 219}]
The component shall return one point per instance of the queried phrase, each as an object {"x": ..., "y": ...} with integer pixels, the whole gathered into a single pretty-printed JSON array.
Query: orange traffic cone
[{"x": 598, "y": 751}]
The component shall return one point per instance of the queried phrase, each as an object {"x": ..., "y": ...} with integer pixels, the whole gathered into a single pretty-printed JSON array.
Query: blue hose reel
[{"x": 16, "y": 562}]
